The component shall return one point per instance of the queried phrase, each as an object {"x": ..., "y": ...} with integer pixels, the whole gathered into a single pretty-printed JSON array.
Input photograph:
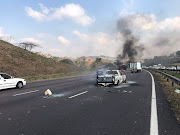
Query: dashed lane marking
[
  {"x": 78, "y": 94},
  {"x": 25, "y": 93}
]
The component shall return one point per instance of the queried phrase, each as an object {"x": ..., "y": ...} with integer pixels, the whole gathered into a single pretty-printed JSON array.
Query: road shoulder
[{"x": 168, "y": 124}]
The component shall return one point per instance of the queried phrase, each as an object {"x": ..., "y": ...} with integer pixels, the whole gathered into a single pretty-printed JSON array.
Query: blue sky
[{"x": 76, "y": 27}]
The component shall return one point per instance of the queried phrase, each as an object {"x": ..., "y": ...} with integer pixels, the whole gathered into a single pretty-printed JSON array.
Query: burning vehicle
[
  {"x": 114, "y": 77},
  {"x": 101, "y": 72}
]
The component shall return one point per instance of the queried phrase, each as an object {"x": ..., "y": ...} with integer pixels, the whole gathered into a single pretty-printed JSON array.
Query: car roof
[
  {"x": 112, "y": 70},
  {"x": 4, "y": 73}
]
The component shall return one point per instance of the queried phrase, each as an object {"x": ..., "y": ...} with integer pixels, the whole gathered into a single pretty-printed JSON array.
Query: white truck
[
  {"x": 111, "y": 77},
  {"x": 7, "y": 81},
  {"x": 135, "y": 67}
]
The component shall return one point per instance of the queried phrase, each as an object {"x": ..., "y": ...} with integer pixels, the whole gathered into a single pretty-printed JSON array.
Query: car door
[
  {"x": 120, "y": 77},
  {"x": 1, "y": 82},
  {"x": 9, "y": 82}
]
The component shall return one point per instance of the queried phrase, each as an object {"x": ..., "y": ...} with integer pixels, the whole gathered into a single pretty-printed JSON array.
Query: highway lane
[{"x": 79, "y": 107}]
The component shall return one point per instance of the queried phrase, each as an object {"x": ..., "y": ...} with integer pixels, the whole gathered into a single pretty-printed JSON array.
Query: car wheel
[
  {"x": 113, "y": 79},
  {"x": 118, "y": 83},
  {"x": 19, "y": 85}
]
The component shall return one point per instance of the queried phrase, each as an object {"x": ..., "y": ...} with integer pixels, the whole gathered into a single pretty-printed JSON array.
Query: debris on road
[
  {"x": 28, "y": 111},
  {"x": 48, "y": 92},
  {"x": 177, "y": 91},
  {"x": 9, "y": 118},
  {"x": 124, "y": 91}
]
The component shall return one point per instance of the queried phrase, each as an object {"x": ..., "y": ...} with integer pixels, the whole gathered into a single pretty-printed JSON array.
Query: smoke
[
  {"x": 145, "y": 36},
  {"x": 132, "y": 49}
]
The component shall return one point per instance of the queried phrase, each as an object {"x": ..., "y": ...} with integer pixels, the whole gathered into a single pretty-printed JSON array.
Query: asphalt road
[{"x": 79, "y": 107}]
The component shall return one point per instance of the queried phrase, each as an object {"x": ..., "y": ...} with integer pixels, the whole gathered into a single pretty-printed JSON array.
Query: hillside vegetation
[
  {"x": 172, "y": 59},
  {"x": 22, "y": 63}
]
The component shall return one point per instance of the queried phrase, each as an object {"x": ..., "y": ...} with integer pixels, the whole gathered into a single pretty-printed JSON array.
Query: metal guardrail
[{"x": 169, "y": 77}]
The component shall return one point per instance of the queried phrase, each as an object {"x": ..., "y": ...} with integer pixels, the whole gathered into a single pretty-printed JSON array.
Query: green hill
[{"x": 22, "y": 63}]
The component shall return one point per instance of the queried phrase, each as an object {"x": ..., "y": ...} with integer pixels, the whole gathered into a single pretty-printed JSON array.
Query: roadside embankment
[{"x": 169, "y": 91}]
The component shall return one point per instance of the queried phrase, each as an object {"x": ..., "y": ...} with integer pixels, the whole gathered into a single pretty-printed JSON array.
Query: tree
[
  {"x": 97, "y": 63},
  {"x": 28, "y": 45},
  {"x": 67, "y": 61},
  {"x": 81, "y": 61}
]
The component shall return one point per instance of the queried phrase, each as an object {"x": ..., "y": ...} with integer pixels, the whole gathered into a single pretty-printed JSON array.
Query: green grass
[
  {"x": 169, "y": 91},
  {"x": 178, "y": 64},
  {"x": 173, "y": 73}
]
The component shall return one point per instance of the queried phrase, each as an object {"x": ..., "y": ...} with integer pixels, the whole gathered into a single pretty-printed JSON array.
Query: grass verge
[
  {"x": 173, "y": 73},
  {"x": 169, "y": 91},
  {"x": 55, "y": 76}
]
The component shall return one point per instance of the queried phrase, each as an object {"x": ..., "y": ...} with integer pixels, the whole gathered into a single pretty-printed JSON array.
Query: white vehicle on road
[
  {"x": 135, "y": 67},
  {"x": 7, "y": 81},
  {"x": 111, "y": 77}
]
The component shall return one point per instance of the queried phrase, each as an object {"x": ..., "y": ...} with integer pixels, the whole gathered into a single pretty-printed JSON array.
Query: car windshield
[
  {"x": 100, "y": 73},
  {"x": 111, "y": 72}
]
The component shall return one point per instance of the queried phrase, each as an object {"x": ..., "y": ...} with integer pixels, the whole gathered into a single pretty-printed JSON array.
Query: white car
[
  {"x": 7, "y": 81},
  {"x": 111, "y": 77}
]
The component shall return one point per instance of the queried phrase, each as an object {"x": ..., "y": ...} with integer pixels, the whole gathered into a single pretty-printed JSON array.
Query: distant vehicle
[
  {"x": 7, "y": 81},
  {"x": 135, "y": 67},
  {"x": 171, "y": 68},
  {"x": 162, "y": 68},
  {"x": 111, "y": 77}
]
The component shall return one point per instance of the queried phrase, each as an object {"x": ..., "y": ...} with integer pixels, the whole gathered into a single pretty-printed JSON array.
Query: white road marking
[
  {"x": 25, "y": 93},
  {"x": 79, "y": 94},
  {"x": 154, "y": 118}
]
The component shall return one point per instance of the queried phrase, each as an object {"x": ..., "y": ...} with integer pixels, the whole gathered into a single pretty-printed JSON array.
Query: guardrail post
[
  {"x": 167, "y": 79},
  {"x": 172, "y": 84}
]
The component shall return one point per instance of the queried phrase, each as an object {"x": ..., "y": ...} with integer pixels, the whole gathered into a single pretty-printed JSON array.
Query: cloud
[
  {"x": 92, "y": 44},
  {"x": 74, "y": 12},
  {"x": 1, "y": 32},
  {"x": 55, "y": 50},
  {"x": 80, "y": 35},
  {"x": 127, "y": 7},
  {"x": 71, "y": 11},
  {"x": 6, "y": 37},
  {"x": 38, "y": 16},
  {"x": 35, "y": 41},
  {"x": 44, "y": 9},
  {"x": 103, "y": 44},
  {"x": 63, "y": 40}
]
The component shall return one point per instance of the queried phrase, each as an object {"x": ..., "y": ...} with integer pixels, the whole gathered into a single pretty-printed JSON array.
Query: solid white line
[
  {"x": 154, "y": 118},
  {"x": 25, "y": 93},
  {"x": 78, "y": 94}
]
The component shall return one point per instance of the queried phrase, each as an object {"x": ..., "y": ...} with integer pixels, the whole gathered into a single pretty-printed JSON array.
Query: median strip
[
  {"x": 25, "y": 93},
  {"x": 78, "y": 94}
]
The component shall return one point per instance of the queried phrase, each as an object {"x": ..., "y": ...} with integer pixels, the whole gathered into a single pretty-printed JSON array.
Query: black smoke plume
[{"x": 131, "y": 48}]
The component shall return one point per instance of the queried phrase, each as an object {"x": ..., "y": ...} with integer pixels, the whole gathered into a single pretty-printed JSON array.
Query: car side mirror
[{"x": 12, "y": 77}]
